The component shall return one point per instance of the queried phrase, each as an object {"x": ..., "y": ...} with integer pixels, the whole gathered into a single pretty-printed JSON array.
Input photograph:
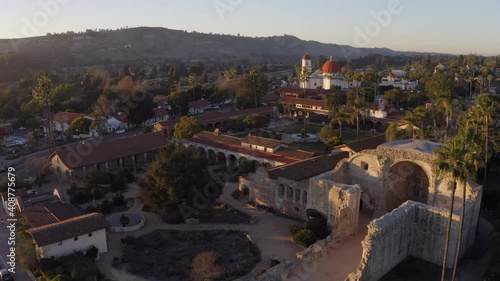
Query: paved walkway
[
  {"x": 270, "y": 234},
  {"x": 339, "y": 262}
]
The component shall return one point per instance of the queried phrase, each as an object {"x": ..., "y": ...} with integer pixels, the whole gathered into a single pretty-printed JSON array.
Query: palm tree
[
  {"x": 358, "y": 108},
  {"x": 486, "y": 109},
  {"x": 458, "y": 159},
  {"x": 254, "y": 76},
  {"x": 340, "y": 117},
  {"x": 192, "y": 82},
  {"x": 412, "y": 121},
  {"x": 489, "y": 77},
  {"x": 43, "y": 93},
  {"x": 230, "y": 75},
  {"x": 304, "y": 78}
]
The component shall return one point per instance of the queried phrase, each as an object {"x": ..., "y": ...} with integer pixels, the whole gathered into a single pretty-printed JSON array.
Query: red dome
[
  {"x": 306, "y": 57},
  {"x": 331, "y": 67}
]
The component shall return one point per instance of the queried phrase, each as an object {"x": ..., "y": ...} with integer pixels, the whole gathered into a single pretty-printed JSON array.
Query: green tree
[
  {"x": 230, "y": 75},
  {"x": 394, "y": 96},
  {"x": 80, "y": 125},
  {"x": 172, "y": 178},
  {"x": 327, "y": 133},
  {"x": 218, "y": 97},
  {"x": 251, "y": 87},
  {"x": 256, "y": 121},
  {"x": 358, "y": 111},
  {"x": 188, "y": 127},
  {"x": 459, "y": 159},
  {"x": 140, "y": 107}
]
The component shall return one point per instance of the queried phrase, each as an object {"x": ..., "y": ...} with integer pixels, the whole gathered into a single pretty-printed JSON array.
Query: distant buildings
[{"x": 398, "y": 82}]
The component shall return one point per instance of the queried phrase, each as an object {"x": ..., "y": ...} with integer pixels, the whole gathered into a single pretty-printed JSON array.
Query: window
[
  {"x": 364, "y": 165},
  {"x": 297, "y": 196},
  {"x": 281, "y": 191},
  {"x": 289, "y": 193},
  {"x": 90, "y": 234},
  {"x": 304, "y": 198},
  {"x": 76, "y": 238},
  {"x": 59, "y": 243}
]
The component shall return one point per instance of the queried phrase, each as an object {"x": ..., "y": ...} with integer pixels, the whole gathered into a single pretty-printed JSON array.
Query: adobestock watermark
[
  {"x": 224, "y": 6},
  {"x": 31, "y": 26},
  {"x": 363, "y": 36}
]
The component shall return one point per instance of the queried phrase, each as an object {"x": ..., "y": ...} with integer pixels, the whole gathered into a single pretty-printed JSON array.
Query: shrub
[
  {"x": 118, "y": 199},
  {"x": 61, "y": 277},
  {"x": 296, "y": 228},
  {"x": 304, "y": 237},
  {"x": 82, "y": 196},
  {"x": 97, "y": 193},
  {"x": 106, "y": 207},
  {"x": 318, "y": 226},
  {"x": 312, "y": 213},
  {"x": 92, "y": 253},
  {"x": 205, "y": 267}
]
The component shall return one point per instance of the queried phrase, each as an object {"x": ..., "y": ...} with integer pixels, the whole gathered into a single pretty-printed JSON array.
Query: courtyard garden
[{"x": 189, "y": 255}]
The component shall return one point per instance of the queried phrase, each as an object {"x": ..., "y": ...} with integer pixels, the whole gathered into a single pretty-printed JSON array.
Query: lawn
[
  {"x": 169, "y": 255},
  {"x": 349, "y": 135},
  {"x": 311, "y": 128},
  {"x": 316, "y": 147}
]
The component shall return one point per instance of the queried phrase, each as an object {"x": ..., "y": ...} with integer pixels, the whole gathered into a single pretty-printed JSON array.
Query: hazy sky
[{"x": 419, "y": 25}]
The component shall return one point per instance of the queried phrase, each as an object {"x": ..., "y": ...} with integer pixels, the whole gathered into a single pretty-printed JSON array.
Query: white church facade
[{"x": 327, "y": 77}]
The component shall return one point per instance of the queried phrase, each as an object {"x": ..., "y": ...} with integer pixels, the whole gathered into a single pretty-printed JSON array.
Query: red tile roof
[
  {"x": 260, "y": 141},
  {"x": 160, "y": 112},
  {"x": 331, "y": 67},
  {"x": 311, "y": 102},
  {"x": 50, "y": 212},
  {"x": 65, "y": 117},
  {"x": 199, "y": 104},
  {"x": 308, "y": 168},
  {"x": 68, "y": 229},
  {"x": 94, "y": 152}
]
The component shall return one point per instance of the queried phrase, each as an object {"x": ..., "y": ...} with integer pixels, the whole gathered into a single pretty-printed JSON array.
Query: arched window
[
  {"x": 297, "y": 196},
  {"x": 289, "y": 193},
  {"x": 304, "y": 198},
  {"x": 281, "y": 191}
]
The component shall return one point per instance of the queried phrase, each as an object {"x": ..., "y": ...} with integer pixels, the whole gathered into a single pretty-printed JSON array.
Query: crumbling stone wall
[{"x": 413, "y": 229}]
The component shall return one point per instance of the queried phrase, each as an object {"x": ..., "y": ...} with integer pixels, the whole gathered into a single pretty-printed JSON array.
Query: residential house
[
  {"x": 199, "y": 106},
  {"x": 160, "y": 114},
  {"x": 61, "y": 121}
]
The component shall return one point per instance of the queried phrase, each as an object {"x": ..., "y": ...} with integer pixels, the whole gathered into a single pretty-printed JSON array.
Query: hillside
[{"x": 69, "y": 52}]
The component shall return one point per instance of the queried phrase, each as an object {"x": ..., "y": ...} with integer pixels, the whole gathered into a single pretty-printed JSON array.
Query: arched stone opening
[
  {"x": 209, "y": 127},
  {"x": 233, "y": 162},
  {"x": 379, "y": 127},
  {"x": 406, "y": 181},
  {"x": 212, "y": 158},
  {"x": 217, "y": 125},
  {"x": 202, "y": 152},
  {"x": 221, "y": 158}
]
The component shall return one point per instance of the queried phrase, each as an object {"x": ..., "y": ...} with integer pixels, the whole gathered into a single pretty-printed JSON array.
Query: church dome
[
  {"x": 331, "y": 67},
  {"x": 306, "y": 57}
]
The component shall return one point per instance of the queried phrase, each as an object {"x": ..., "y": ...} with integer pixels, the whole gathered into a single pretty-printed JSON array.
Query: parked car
[
  {"x": 5, "y": 275},
  {"x": 121, "y": 131}
]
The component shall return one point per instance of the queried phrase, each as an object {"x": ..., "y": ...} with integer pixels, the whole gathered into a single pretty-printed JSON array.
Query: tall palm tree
[
  {"x": 458, "y": 159},
  {"x": 339, "y": 116},
  {"x": 412, "y": 122},
  {"x": 487, "y": 110},
  {"x": 192, "y": 82},
  {"x": 489, "y": 77},
  {"x": 304, "y": 78},
  {"x": 230, "y": 75},
  {"x": 43, "y": 93},
  {"x": 358, "y": 108}
]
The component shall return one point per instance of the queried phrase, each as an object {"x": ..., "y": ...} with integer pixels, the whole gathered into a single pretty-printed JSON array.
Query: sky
[{"x": 445, "y": 26}]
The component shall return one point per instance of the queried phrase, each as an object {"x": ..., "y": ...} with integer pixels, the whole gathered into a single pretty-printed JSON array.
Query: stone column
[
  {"x": 84, "y": 169},
  {"x": 145, "y": 157},
  {"x": 107, "y": 166},
  {"x": 120, "y": 162}
]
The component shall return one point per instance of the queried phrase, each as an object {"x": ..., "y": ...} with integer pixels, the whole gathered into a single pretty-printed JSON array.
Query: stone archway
[
  {"x": 406, "y": 181},
  {"x": 202, "y": 152}
]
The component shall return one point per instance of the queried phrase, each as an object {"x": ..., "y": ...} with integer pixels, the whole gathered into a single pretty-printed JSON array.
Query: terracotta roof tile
[
  {"x": 260, "y": 141},
  {"x": 47, "y": 213},
  {"x": 199, "y": 103},
  {"x": 109, "y": 150},
  {"x": 308, "y": 168},
  {"x": 311, "y": 102},
  {"x": 67, "y": 229}
]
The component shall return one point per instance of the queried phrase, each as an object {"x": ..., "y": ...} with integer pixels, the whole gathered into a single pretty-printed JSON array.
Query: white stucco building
[{"x": 326, "y": 77}]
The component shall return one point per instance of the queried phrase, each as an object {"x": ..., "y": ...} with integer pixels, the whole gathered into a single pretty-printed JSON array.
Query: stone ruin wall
[{"x": 413, "y": 229}]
